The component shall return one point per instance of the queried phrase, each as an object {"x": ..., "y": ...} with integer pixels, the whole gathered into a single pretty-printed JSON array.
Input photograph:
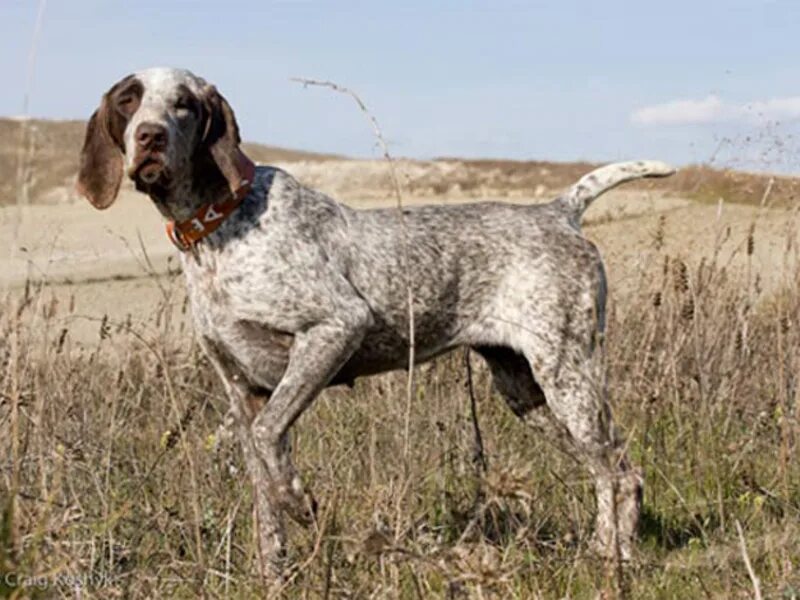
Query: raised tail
[{"x": 599, "y": 181}]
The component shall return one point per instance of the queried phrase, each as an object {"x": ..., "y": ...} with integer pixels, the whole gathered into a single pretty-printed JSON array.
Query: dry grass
[
  {"x": 705, "y": 184},
  {"x": 519, "y": 176},
  {"x": 698, "y": 182},
  {"x": 110, "y": 465}
]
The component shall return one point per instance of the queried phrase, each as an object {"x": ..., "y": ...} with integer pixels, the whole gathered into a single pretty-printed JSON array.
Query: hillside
[{"x": 51, "y": 148}]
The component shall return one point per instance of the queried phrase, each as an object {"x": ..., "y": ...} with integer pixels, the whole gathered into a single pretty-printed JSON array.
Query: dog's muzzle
[{"x": 148, "y": 169}]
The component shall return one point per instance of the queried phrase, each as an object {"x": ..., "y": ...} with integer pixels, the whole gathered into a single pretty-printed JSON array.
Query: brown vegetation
[{"x": 112, "y": 463}]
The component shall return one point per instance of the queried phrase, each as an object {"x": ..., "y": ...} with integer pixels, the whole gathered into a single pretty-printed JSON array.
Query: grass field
[
  {"x": 113, "y": 466},
  {"x": 116, "y": 479}
]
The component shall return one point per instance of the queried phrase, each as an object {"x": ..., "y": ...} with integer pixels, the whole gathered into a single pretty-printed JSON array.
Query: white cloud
[
  {"x": 712, "y": 109},
  {"x": 680, "y": 112}
]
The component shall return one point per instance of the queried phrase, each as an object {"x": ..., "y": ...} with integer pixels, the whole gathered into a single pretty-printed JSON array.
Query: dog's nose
[{"x": 151, "y": 136}]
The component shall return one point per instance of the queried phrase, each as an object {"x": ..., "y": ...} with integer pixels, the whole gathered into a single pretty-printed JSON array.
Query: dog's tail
[{"x": 599, "y": 181}]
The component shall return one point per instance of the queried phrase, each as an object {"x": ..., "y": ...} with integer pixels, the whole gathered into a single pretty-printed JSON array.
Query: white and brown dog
[{"x": 292, "y": 292}]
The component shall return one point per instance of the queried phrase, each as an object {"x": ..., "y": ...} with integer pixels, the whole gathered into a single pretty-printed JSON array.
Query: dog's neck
[{"x": 200, "y": 185}]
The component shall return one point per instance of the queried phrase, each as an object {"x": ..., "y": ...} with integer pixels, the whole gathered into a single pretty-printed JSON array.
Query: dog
[{"x": 292, "y": 292}]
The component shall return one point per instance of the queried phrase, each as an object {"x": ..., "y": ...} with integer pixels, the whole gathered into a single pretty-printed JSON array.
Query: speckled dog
[{"x": 292, "y": 292}]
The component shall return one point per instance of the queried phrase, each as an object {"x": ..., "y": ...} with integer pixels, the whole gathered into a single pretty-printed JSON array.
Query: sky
[{"x": 683, "y": 81}]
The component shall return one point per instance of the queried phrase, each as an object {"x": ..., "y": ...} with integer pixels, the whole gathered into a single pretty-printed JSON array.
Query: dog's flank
[{"x": 294, "y": 292}]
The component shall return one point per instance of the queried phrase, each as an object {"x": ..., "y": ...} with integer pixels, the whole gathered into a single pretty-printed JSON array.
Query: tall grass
[{"x": 113, "y": 464}]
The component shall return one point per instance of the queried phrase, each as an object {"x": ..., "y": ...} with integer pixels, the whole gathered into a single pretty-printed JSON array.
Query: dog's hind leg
[
  {"x": 514, "y": 381},
  {"x": 558, "y": 333},
  {"x": 569, "y": 367},
  {"x": 577, "y": 398},
  {"x": 576, "y": 420},
  {"x": 573, "y": 413}
]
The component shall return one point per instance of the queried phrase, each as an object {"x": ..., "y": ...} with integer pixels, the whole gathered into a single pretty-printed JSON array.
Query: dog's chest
[{"x": 248, "y": 349}]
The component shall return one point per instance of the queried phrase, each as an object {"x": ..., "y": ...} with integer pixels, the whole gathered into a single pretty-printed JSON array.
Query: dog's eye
[
  {"x": 183, "y": 106},
  {"x": 126, "y": 102}
]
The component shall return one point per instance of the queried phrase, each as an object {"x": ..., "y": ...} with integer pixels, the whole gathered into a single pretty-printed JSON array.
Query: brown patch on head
[
  {"x": 221, "y": 140},
  {"x": 101, "y": 168},
  {"x": 188, "y": 99}
]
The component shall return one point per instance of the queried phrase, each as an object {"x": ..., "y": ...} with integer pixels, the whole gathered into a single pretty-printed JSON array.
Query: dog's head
[{"x": 160, "y": 127}]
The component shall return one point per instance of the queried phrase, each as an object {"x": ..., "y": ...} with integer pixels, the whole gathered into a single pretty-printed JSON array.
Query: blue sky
[{"x": 682, "y": 81}]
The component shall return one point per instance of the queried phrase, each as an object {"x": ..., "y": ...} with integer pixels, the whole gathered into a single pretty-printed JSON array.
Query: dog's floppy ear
[
  {"x": 101, "y": 166},
  {"x": 100, "y": 171},
  {"x": 221, "y": 138}
]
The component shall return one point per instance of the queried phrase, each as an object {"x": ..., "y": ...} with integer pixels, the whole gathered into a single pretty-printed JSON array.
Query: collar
[{"x": 185, "y": 234}]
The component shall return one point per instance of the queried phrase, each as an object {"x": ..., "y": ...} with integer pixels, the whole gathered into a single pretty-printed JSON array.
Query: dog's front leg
[
  {"x": 270, "y": 527},
  {"x": 244, "y": 406},
  {"x": 317, "y": 354}
]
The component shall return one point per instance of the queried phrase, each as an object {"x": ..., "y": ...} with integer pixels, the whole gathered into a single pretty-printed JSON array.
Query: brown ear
[
  {"x": 221, "y": 137},
  {"x": 101, "y": 167}
]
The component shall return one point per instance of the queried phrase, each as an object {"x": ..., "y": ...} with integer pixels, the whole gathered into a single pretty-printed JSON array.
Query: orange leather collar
[{"x": 185, "y": 234}]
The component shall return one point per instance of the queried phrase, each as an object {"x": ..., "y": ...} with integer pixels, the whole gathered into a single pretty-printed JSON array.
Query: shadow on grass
[
  {"x": 495, "y": 524},
  {"x": 671, "y": 533}
]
